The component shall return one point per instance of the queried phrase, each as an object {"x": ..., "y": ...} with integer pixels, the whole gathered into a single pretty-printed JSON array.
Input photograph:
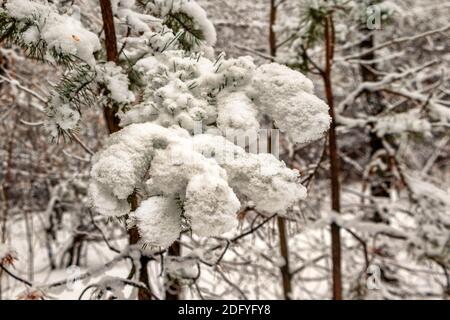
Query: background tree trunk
[{"x": 282, "y": 235}]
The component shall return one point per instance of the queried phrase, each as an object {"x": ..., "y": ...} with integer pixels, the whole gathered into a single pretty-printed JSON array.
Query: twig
[{"x": 81, "y": 143}]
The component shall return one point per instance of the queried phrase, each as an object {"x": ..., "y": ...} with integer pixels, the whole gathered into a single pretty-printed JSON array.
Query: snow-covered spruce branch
[
  {"x": 110, "y": 288},
  {"x": 186, "y": 179},
  {"x": 46, "y": 35}
]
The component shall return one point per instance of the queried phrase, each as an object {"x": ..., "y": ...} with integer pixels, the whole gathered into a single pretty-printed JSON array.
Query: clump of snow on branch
[
  {"x": 259, "y": 178},
  {"x": 116, "y": 81},
  {"x": 148, "y": 30},
  {"x": 206, "y": 172},
  {"x": 61, "y": 116},
  {"x": 159, "y": 221},
  {"x": 210, "y": 206},
  {"x": 164, "y": 8},
  {"x": 402, "y": 122},
  {"x": 230, "y": 95},
  {"x": 121, "y": 167},
  {"x": 237, "y": 115},
  {"x": 60, "y": 32},
  {"x": 106, "y": 202}
]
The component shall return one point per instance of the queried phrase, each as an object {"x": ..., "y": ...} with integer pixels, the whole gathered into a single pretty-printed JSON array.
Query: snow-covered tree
[
  {"x": 166, "y": 83},
  {"x": 175, "y": 164}
]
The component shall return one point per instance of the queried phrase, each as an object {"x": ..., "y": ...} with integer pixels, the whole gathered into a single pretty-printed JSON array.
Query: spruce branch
[
  {"x": 185, "y": 28},
  {"x": 77, "y": 87}
]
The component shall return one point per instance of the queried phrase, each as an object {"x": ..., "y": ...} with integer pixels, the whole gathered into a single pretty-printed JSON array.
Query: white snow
[
  {"x": 210, "y": 206},
  {"x": 159, "y": 221},
  {"x": 207, "y": 172},
  {"x": 259, "y": 178},
  {"x": 237, "y": 115},
  {"x": 287, "y": 96},
  {"x": 61, "y": 115},
  {"x": 401, "y": 123}
]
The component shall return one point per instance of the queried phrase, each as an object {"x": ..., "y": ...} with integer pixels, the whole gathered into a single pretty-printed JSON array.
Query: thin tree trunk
[
  {"x": 334, "y": 159},
  {"x": 112, "y": 122},
  {"x": 284, "y": 250},
  {"x": 272, "y": 35},
  {"x": 281, "y": 222},
  {"x": 110, "y": 31}
]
